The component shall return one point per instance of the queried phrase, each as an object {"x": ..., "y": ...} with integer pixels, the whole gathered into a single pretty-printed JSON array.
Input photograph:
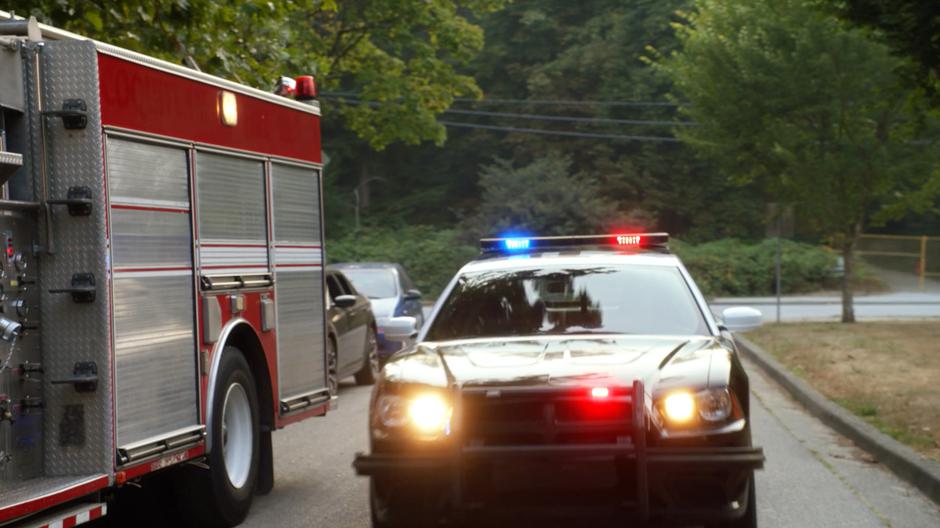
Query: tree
[
  {"x": 911, "y": 27},
  {"x": 545, "y": 197},
  {"x": 789, "y": 96},
  {"x": 402, "y": 54}
]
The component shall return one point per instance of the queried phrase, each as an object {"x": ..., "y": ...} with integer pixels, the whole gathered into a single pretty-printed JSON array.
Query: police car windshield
[{"x": 586, "y": 299}]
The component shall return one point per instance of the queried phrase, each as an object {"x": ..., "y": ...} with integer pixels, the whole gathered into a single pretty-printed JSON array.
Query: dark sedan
[{"x": 352, "y": 347}]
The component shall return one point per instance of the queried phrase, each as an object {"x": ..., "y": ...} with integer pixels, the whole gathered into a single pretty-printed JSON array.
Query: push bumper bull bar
[{"x": 645, "y": 460}]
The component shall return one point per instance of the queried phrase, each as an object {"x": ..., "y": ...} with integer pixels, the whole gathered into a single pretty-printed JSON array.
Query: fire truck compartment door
[
  {"x": 298, "y": 260},
  {"x": 154, "y": 328}
]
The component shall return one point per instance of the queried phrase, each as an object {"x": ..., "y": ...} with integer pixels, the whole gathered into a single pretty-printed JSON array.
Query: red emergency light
[
  {"x": 633, "y": 241},
  {"x": 600, "y": 393},
  {"x": 306, "y": 88}
]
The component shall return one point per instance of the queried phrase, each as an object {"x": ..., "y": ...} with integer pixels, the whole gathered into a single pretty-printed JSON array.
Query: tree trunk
[
  {"x": 364, "y": 179},
  {"x": 848, "y": 307}
]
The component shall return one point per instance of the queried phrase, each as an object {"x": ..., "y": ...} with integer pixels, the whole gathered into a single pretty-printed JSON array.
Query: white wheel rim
[{"x": 237, "y": 439}]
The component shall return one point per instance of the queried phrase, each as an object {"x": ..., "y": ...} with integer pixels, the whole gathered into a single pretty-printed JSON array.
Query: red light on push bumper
[
  {"x": 600, "y": 392},
  {"x": 306, "y": 89}
]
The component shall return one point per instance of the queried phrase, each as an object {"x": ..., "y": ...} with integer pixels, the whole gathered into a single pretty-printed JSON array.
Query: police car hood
[{"x": 610, "y": 360}]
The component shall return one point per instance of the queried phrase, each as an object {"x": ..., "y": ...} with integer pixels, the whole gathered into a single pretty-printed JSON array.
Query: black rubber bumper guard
[{"x": 644, "y": 457}]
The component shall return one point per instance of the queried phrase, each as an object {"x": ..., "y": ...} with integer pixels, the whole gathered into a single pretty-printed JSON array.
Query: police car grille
[{"x": 543, "y": 419}]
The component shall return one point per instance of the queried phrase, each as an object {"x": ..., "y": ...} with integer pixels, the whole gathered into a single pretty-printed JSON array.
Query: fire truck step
[{"x": 21, "y": 497}]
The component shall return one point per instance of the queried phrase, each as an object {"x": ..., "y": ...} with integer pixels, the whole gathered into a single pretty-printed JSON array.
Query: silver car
[{"x": 393, "y": 297}]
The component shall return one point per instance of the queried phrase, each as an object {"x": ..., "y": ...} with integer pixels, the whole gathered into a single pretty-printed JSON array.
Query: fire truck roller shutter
[
  {"x": 232, "y": 224},
  {"x": 299, "y": 297},
  {"x": 154, "y": 328}
]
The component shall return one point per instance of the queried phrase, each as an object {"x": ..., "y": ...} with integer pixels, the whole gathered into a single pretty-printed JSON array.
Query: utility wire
[
  {"x": 560, "y": 132},
  {"x": 557, "y": 102},
  {"x": 541, "y": 117},
  {"x": 596, "y": 120}
]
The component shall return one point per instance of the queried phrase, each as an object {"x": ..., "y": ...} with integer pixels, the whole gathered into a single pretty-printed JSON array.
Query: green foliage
[
  {"x": 561, "y": 50},
  {"x": 402, "y": 53},
  {"x": 545, "y": 197},
  {"x": 731, "y": 267},
  {"x": 909, "y": 26},
  {"x": 789, "y": 96},
  {"x": 431, "y": 256}
]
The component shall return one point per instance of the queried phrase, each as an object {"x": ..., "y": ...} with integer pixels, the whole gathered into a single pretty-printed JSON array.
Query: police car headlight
[
  {"x": 714, "y": 405},
  {"x": 679, "y": 407},
  {"x": 682, "y": 407},
  {"x": 427, "y": 414}
]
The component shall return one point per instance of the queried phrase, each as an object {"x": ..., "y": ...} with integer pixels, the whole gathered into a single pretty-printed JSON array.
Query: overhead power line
[
  {"x": 559, "y": 102},
  {"x": 571, "y": 119},
  {"x": 542, "y": 117},
  {"x": 560, "y": 132}
]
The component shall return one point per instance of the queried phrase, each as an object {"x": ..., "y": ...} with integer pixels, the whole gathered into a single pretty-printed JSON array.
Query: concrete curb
[{"x": 903, "y": 461}]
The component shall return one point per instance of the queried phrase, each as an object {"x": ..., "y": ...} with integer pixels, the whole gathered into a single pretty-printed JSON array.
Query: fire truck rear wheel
[
  {"x": 370, "y": 367},
  {"x": 223, "y": 493}
]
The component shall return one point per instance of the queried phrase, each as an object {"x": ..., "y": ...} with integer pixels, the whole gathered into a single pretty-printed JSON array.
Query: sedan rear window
[
  {"x": 374, "y": 283},
  {"x": 588, "y": 299}
]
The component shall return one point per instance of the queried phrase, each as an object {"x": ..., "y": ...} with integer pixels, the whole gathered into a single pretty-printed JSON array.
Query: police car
[{"x": 567, "y": 377}]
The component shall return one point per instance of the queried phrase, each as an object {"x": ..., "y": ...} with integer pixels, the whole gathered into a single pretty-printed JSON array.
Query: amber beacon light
[{"x": 228, "y": 108}]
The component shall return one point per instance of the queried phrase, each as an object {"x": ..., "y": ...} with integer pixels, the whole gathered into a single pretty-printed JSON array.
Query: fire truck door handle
[
  {"x": 74, "y": 114},
  {"x": 83, "y": 288},
  {"x": 78, "y": 201}
]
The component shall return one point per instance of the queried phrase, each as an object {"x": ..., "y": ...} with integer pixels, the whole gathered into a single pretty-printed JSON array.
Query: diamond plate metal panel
[
  {"x": 299, "y": 302},
  {"x": 74, "y": 332}
]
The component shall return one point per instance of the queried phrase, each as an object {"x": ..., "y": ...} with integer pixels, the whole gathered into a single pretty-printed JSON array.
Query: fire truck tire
[
  {"x": 370, "y": 367},
  {"x": 332, "y": 366},
  {"x": 221, "y": 496},
  {"x": 396, "y": 506},
  {"x": 749, "y": 519}
]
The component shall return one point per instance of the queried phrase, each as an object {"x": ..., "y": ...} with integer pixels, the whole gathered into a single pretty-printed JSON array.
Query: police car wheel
[
  {"x": 749, "y": 519},
  {"x": 370, "y": 366},
  {"x": 222, "y": 494},
  {"x": 393, "y": 506}
]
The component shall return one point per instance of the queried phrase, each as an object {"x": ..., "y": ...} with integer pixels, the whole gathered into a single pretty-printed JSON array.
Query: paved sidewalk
[{"x": 898, "y": 305}]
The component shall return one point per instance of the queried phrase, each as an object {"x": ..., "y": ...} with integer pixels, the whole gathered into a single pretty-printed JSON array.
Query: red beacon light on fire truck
[
  {"x": 600, "y": 393},
  {"x": 306, "y": 88},
  {"x": 632, "y": 241},
  {"x": 302, "y": 88}
]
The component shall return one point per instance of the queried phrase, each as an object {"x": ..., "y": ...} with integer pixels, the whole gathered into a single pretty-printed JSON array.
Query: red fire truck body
[{"x": 161, "y": 291}]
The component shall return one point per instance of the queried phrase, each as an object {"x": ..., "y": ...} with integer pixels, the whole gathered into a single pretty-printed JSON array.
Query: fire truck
[{"x": 161, "y": 278}]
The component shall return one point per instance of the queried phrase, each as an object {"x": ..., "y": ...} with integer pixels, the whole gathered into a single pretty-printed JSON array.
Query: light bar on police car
[{"x": 613, "y": 241}]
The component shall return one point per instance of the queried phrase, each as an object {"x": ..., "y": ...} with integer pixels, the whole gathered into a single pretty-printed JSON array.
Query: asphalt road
[
  {"x": 813, "y": 477},
  {"x": 897, "y": 305}
]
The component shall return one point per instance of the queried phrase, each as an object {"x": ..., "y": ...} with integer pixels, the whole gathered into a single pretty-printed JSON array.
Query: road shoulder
[{"x": 903, "y": 461}]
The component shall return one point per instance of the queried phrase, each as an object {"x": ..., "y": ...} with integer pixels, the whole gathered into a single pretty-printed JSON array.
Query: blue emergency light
[{"x": 626, "y": 241}]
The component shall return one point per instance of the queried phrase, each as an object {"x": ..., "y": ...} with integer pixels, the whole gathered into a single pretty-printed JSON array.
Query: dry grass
[{"x": 886, "y": 372}]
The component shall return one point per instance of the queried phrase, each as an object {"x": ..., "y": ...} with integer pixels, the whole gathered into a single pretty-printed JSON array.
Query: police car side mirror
[
  {"x": 741, "y": 318},
  {"x": 400, "y": 328}
]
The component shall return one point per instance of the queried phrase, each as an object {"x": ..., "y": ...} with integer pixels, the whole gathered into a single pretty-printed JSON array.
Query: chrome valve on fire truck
[{"x": 9, "y": 329}]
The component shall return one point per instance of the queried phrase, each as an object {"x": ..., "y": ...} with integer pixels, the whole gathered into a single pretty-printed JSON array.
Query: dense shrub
[
  {"x": 430, "y": 255},
  {"x": 732, "y": 267}
]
